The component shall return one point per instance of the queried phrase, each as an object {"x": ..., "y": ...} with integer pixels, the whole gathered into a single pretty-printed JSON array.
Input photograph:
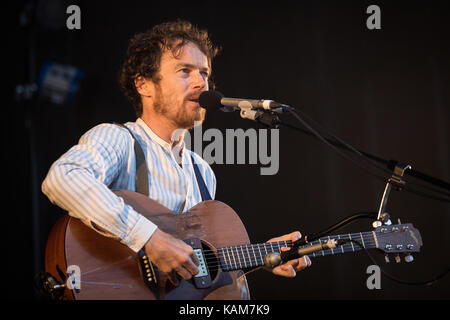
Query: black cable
[
  {"x": 308, "y": 238},
  {"x": 390, "y": 164},
  {"x": 339, "y": 142},
  {"x": 383, "y": 179},
  {"x": 393, "y": 278}
]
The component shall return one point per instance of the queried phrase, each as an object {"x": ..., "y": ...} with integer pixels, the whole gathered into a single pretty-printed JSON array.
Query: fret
[
  {"x": 229, "y": 257},
  {"x": 362, "y": 240},
  {"x": 375, "y": 239},
  {"x": 332, "y": 251},
  {"x": 260, "y": 254},
  {"x": 312, "y": 243},
  {"x": 350, "y": 237},
  {"x": 249, "y": 258},
  {"x": 234, "y": 260},
  {"x": 287, "y": 243},
  {"x": 314, "y": 253},
  {"x": 342, "y": 247},
  {"x": 246, "y": 255},
  {"x": 243, "y": 256},
  {"x": 238, "y": 258},
  {"x": 244, "y": 260},
  {"x": 226, "y": 265},
  {"x": 222, "y": 261},
  {"x": 256, "y": 259},
  {"x": 225, "y": 254}
]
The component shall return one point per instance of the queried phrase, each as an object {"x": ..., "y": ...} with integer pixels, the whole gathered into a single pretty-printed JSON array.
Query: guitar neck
[{"x": 252, "y": 255}]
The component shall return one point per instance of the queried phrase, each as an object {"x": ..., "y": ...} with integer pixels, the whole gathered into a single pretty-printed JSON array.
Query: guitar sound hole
[{"x": 212, "y": 260}]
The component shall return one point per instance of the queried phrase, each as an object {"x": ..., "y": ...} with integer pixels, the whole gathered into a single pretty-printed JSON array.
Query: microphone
[
  {"x": 214, "y": 100},
  {"x": 274, "y": 259}
]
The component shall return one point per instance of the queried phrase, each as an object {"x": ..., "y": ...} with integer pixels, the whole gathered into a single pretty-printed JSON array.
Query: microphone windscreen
[{"x": 210, "y": 100}]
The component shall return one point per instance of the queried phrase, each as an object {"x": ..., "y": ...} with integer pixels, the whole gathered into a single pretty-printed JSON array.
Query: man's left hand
[{"x": 289, "y": 269}]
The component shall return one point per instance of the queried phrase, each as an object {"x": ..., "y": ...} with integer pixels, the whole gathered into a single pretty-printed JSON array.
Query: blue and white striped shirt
[{"x": 104, "y": 159}]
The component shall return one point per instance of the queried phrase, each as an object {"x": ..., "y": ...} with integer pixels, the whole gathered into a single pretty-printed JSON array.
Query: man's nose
[{"x": 199, "y": 81}]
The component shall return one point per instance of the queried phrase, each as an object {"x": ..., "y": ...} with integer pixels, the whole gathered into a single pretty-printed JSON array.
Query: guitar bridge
[{"x": 148, "y": 273}]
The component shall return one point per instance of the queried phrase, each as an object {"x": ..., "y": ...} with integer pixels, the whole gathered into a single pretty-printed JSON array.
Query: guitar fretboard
[{"x": 252, "y": 255}]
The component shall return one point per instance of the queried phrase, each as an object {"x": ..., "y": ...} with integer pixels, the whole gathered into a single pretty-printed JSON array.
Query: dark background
[{"x": 383, "y": 91}]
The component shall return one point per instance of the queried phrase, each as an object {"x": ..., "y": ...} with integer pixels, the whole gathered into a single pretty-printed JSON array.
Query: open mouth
[{"x": 194, "y": 100}]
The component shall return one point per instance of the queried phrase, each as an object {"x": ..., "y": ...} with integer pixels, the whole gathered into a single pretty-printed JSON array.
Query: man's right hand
[{"x": 170, "y": 254}]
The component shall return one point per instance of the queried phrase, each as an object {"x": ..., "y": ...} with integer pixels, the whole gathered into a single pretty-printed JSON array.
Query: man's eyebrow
[{"x": 191, "y": 66}]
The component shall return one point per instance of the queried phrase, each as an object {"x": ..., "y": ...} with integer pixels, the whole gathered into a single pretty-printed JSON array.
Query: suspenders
[
  {"x": 141, "y": 166},
  {"x": 142, "y": 171},
  {"x": 201, "y": 183}
]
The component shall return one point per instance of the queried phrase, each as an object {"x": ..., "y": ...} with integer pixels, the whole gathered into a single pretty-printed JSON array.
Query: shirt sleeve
[{"x": 78, "y": 183}]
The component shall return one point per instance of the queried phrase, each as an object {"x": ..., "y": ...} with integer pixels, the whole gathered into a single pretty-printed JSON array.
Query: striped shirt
[{"x": 80, "y": 180}]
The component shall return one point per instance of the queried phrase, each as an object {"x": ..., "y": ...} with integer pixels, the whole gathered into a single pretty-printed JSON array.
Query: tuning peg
[
  {"x": 377, "y": 223},
  {"x": 397, "y": 258},
  {"x": 385, "y": 218},
  {"x": 386, "y": 258},
  {"x": 409, "y": 258}
]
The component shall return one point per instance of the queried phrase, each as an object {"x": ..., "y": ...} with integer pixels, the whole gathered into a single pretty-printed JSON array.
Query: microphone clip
[{"x": 267, "y": 118}]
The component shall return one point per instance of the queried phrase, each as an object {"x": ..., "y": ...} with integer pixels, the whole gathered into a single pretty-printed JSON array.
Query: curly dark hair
[{"x": 145, "y": 49}]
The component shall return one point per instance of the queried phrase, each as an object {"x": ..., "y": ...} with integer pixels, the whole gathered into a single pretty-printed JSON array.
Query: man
[{"x": 165, "y": 70}]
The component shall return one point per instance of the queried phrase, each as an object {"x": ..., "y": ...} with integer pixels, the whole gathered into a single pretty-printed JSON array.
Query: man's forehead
[{"x": 189, "y": 53}]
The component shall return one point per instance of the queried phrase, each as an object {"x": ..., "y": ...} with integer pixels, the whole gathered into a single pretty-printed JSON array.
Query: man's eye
[{"x": 184, "y": 71}]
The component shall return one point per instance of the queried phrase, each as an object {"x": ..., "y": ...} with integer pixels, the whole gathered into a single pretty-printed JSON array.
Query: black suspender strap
[
  {"x": 201, "y": 183},
  {"x": 142, "y": 171},
  {"x": 141, "y": 165}
]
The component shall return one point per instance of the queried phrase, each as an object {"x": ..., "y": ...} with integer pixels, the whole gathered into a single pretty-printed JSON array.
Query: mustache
[{"x": 193, "y": 96}]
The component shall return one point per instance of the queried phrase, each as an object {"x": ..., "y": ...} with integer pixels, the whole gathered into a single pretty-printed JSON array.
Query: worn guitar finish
[{"x": 110, "y": 270}]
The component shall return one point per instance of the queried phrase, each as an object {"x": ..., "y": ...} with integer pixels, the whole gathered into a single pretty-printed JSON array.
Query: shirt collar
[{"x": 164, "y": 144}]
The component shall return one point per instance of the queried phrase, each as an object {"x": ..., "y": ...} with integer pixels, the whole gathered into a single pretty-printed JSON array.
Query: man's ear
[{"x": 144, "y": 86}]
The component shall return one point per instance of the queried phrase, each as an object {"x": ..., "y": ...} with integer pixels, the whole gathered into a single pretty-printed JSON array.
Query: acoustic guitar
[{"x": 86, "y": 265}]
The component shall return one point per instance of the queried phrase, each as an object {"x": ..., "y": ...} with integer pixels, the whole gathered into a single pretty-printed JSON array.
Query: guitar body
[{"x": 110, "y": 270}]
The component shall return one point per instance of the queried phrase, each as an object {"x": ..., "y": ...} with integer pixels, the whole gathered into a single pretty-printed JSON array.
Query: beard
[{"x": 179, "y": 116}]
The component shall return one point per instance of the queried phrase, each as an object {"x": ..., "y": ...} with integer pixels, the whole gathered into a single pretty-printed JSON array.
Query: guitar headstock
[{"x": 398, "y": 238}]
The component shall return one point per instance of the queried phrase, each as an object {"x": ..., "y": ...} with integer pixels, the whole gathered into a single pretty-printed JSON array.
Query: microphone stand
[
  {"x": 390, "y": 164},
  {"x": 270, "y": 119},
  {"x": 396, "y": 180}
]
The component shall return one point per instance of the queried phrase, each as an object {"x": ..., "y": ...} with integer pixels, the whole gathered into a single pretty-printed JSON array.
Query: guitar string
[
  {"x": 234, "y": 266},
  {"x": 367, "y": 238},
  {"x": 257, "y": 257},
  {"x": 216, "y": 259},
  {"x": 238, "y": 252},
  {"x": 212, "y": 265}
]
